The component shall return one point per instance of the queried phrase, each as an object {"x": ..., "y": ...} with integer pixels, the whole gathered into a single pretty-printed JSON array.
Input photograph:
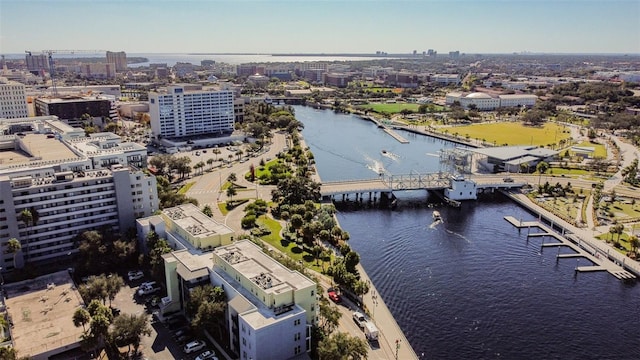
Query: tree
[
  {"x": 329, "y": 317},
  {"x": 29, "y": 219},
  {"x": 81, "y": 317},
  {"x": 207, "y": 210},
  {"x": 210, "y": 163},
  {"x": 13, "y": 246},
  {"x": 340, "y": 346},
  {"x": 296, "y": 190},
  {"x": 216, "y": 152},
  {"x": 231, "y": 192},
  {"x": 113, "y": 285},
  {"x": 542, "y": 168},
  {"x": 128, "y": 329},
  {"x": 232, "y": 178},
  {"x": 633, "y": 242}
]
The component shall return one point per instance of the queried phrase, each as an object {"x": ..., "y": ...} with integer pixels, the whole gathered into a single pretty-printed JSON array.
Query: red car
[{"x": 334, "y": 297}]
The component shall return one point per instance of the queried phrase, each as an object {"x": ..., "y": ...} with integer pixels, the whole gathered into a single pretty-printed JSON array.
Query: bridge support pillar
[
  {"x": 343, "y": 197},
  {"x": 361, "y": 197}
]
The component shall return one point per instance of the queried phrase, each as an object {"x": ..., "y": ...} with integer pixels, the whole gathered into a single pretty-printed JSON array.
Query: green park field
[
  {"x": 392, "y": 108},
  {"x": 599, "y": 149},
  {"x": 512, "y": 133}
]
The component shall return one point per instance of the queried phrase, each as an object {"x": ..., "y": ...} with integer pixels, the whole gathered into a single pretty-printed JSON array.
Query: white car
[
  {"x": 207, "y": 355},
  {"x": 135, "y": 275},
  {"x": 193, "y": 346}
]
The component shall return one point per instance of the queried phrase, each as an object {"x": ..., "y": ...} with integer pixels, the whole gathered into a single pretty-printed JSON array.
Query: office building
[
  {"x": 178, "y": 112},
  {"x": 119, "y": 59},
  {"x": 13, "y": 100},
  {"x": 69, "y": 183},
  {"x": 483, "y": 101},
  {"x": 71, "y": 108}
]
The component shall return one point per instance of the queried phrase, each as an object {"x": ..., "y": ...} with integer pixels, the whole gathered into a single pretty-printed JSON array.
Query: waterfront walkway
[
  {"x": 585, "y": 235},
  {"x": 582, "y": 249}
]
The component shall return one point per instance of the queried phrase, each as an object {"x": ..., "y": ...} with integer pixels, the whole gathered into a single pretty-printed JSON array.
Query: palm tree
[
  {"x": 239, "y": 154},
  {"x": 29, "y": 218},
  {"x": 210, "y": 163},
  {"x": 232, "y": 177},
  {"x": 216, "y": 152},
  {"x": 13, "y": 246},
  {"x": 81, "y": 317},
  {"x": 633, "y": 243},
  {"x": 231, "y": 192},
  {"x": 542, "y": 168}
]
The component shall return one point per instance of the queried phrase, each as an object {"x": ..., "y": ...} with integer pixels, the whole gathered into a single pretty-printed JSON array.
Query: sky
[{"x": 327, "y": 26}]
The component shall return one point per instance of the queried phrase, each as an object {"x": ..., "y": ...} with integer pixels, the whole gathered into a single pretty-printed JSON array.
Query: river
[{"x": 471, "y": 287}]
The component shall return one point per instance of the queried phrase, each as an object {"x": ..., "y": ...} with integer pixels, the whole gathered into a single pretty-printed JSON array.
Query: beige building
[{"x": 13, "y": 99}]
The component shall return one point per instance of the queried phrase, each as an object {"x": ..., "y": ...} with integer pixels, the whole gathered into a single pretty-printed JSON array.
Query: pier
[
  {"x": 582, "y": 249},
  {"x": 395, "y": 135}
]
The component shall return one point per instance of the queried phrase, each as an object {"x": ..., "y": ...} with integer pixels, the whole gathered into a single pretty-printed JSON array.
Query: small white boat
[{"x": 436, "y": 216}]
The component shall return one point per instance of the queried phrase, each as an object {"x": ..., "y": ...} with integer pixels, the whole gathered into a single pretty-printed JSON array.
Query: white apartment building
[
  {"x": 52, "y": 172},
  {"x": 270, "y": 309},
  {"x": 517, "y": 100},
  {"x": 177, "y": 112},
  {"x": 118, "y": 58},
  {"x": 13, "y": 99},
  {"x": 446, "y": 79}
]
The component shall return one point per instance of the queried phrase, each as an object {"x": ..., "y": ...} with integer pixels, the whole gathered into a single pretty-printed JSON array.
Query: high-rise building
[
  {"x": 177, "y": 112},
  {"x": 119, "y": 58},
  {"x": 13, "y": 100},
  {"x": 69, "y": 183},
  {"x": 37, "y": 63}
]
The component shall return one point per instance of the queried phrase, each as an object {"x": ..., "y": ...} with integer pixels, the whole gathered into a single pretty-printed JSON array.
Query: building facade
[
  {"x": 53, "y": 173},
  {"x": 13, "y": 100},
  {"x": 177, "y": 112},
  {"x": 482, "y": 101},
  {"x": 118, "y": 58},
  {"x": 71, "y": 108},
  {"x": 270, "y": 309}
]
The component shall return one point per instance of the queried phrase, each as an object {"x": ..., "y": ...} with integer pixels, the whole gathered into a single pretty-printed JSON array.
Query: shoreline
[{"x": 385, "y": 321}]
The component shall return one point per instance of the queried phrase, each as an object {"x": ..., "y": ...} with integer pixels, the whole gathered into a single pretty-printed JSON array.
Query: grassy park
[
  {"x": 390, "y": 108},
  {"x": 288, "y": 247},
  {"x": 512, "y": 133}
]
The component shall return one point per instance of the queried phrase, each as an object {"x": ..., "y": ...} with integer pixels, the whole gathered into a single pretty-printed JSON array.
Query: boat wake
[
  {"x": 390, "y": 155},
  {"x": 377, "y": 167},
  {"x": 458, "y": 235},
  {"x": 432, "y": 154}
]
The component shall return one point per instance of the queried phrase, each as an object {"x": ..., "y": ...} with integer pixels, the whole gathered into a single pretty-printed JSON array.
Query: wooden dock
[
  {"x": 395, "y": 135},
  {"x": 602, "y": 263}
]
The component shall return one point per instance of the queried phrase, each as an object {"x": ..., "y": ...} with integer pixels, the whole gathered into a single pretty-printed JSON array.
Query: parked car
[
  {"x": 148, "y": 283},
  {"x": 193, "y": 346},
  {"x": 508, "y": 179},
  {"x": 135, "y": 275},
  {"x": 148, "y": 290},
  {"x": 209, "y": 354}
]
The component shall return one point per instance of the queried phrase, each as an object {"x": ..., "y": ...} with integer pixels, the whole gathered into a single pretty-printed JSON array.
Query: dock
[
  {"x": 581, "y": 249},
  {"x": 395, "y": 135}
]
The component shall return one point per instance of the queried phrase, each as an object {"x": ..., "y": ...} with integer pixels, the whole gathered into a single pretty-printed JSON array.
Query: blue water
[{"x": 472, "y": 287}]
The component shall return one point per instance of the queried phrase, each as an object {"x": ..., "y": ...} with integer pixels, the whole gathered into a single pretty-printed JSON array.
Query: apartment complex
[
  {"x": 270, "y": 309},
  {"x": 118, "y": 58},
  {"x": 13, "y": 100},
  {"x": 69, "y": 183},
  {"x": 178, "y": 112},
  {"x": 36, "y": 63}
]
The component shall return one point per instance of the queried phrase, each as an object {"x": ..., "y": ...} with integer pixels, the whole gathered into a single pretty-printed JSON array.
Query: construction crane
[{"x": 52, "y": 70}]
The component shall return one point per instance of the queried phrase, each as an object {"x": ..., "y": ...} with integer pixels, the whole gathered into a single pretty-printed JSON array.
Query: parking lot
[{"x": 162, "y": 344}]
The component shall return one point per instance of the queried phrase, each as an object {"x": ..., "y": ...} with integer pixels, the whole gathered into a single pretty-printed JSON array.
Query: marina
[{"x": 581, "y": 249}]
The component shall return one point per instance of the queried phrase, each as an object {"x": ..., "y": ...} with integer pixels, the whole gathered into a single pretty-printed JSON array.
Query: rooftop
[
  {"x": 37, "y": 147},
  {"x": 192, "y": 220},
  {"x": 249, "y": 259},
  {"x": 42, "y": 310},
  {"x": 507, "y": 153}
]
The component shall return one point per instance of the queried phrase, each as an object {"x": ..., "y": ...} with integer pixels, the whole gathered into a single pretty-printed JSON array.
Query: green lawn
[
  {"x": 570, "y": 172},
  {"x": 599, "y": 149},
  {"x": 186, "y": 187},
  {"x": 511, "y": 133},
  {"x": 621, "y": 210},
  {"x": 290, "y": 248},
  {"x": 392, "y": 108}
]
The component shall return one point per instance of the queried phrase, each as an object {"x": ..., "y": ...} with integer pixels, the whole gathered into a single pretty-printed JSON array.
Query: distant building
[
  {"x": 454, "y": 54},
  {"x": 100, "y": 71},
  {"x": 340, "y": 80},
  {"x": 36, "y": 64},
  {"x": 13, "y": 99},
  {"x": 71, "y": 108},
  {"x": 119, "y": 59},
  {"x": 483, "y": 101},
  {"x": 176, "y": 112},
  {"x": 512, "y": 158},
  {"x": 445, "y": 79},
  {"x": 402, "y": 79},
  {"x": 250, "y": 69}
]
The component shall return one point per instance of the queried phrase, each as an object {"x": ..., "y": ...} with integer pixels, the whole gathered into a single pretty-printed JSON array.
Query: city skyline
[{"x": 353, "y": 26}]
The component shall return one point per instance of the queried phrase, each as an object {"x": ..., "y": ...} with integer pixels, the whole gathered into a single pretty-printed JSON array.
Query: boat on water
[
  {"x": 384, "y": 152},
  {"x": 436, "y": 216}
]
